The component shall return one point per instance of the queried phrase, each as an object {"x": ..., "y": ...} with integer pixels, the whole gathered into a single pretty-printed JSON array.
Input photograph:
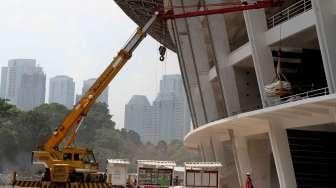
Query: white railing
[
  {"x": 289, "y": 12},
  {"x": 304, "y": 95},
  {"x": 308, "y": 94}
]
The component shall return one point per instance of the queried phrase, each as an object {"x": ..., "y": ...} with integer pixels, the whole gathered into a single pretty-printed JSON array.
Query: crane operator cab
[{"x": 69, "y": 165}]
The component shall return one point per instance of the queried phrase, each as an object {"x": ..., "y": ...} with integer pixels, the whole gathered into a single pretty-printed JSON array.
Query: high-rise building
[
  {"x": 103, "y": 96},
  {"x": 170, "y": 110},
  {"x": 167, "y": 119},
  {"x": 3, "y": 85},
  {"x": 16, "y": 69},
  {"x": 62, "y": 90},
  {"x": 138, "y": 118},
  {"x": 228, "y": 61},
  {"x": 24, "y": 84},
  {"x": 32, "y": 91}
]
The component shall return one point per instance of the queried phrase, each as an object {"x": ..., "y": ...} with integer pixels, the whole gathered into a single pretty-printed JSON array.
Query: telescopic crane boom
[
  {"x": 72, "y": 163},
  {"x": 82, "y": 107}
]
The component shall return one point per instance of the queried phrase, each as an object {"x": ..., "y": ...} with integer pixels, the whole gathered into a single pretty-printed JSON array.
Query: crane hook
[{"x": 162, "y": 51}]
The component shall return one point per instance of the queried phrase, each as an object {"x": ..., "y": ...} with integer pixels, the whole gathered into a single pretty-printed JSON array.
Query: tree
[
  {"x": 54, "y": 112},
  {"x": 9, "y": 146},
  {"x": 97, "y": 118},
  {"x": 34, "y": 129},
  {"x": 22, "y": 132},
  {"x": 7, "y": 110},
  {"x": 162, "y": 146}
]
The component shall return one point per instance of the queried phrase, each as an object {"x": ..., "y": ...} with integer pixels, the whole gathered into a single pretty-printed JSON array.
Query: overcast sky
[{"x": 79, "y": 38}]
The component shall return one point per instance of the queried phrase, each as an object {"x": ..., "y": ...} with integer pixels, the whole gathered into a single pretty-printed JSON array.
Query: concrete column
[
  {"x": 199, "y": 47},
  {"x": 220, "y": 42},
  {"x": 223, "y": 153},
  {"x": 282, "y": 156},
  {"x": 187, "y": 64},
  {"x": 208, "y": 149},
  {"x": 241, "y": 155},
  {"x": 325, "y": 14},
  {"x": 262, "y": 56},
  {"x": 201, "y": 150},
  {"x": 260, "y": 154}
]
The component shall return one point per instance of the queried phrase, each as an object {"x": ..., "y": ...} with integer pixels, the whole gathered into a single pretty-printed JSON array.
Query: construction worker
[{"x": 248, "y": 183}]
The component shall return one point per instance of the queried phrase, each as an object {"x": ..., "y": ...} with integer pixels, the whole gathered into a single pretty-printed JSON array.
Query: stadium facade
[{"x": 227, "y": 60}]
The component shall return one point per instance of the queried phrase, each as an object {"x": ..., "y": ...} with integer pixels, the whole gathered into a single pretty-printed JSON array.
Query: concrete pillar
[
  {"x": 282, "y": 155},
  {"x": 260, "y": 154},
  {"x": 220, "y": 42},
  {"x": 201, "y": 150},
  {"x": 187, "y": 64},
  {"x": 241, "y": 155},
  {"x": 224, "y": 154},
  {"x": 262, "y": 56},
  {"x": 202, "y": 64},
  {"x": 171, "y": 26},
  {"x": 208, "y": 149},
  {"x": 325, "y": 14}
]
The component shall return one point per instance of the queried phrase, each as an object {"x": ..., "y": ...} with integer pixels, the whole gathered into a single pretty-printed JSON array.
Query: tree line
[{"x": 22, "y": 132}]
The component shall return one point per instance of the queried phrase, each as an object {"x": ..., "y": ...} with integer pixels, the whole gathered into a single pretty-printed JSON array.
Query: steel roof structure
[{"x": 140, "y": 11}]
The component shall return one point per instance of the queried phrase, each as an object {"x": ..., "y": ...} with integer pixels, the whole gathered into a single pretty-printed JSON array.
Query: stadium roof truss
[{"x": 140, "y": 11}]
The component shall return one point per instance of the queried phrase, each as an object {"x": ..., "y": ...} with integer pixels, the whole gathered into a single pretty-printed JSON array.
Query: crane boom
[{"x": 82, "y": 107}]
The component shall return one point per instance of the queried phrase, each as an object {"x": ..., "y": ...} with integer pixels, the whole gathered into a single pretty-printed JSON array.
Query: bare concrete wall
[{"x": 249, "y": 96}]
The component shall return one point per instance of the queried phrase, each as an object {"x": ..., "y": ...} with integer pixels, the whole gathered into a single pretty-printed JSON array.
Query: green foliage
[
  {"x": 22, "y": 132},
  {"x": 9, "y": 147},
  {"x": 55, "y": 113},
  {"x": 7, "y": 110},
  {"x": 99, "y": 121},
  {"x": 33, "y": 129}
]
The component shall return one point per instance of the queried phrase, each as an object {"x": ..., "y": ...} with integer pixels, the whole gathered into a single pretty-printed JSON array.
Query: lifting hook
[{"x": 162, "y": 51}]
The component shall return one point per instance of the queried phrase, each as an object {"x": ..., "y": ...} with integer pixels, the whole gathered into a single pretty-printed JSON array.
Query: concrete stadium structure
[{"x": 226, "y": 60}]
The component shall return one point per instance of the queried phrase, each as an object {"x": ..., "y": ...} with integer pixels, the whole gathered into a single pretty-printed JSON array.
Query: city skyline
[
  {"x": 48, "y": 98},
  {"x": 20, "y": 67},
  {"x": 81, "y": 44}
]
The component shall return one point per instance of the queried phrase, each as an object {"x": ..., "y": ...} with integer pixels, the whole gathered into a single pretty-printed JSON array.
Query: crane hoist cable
[
  {"x": 280, "y": 86},
  {"x": 162, "y": 48}
]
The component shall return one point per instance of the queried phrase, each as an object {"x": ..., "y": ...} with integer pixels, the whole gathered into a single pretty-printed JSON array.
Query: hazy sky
[{"x": 79, "y": 38}]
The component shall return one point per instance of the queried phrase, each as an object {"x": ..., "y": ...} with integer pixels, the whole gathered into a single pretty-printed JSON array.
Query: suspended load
[{"x": 280, "y": 87}]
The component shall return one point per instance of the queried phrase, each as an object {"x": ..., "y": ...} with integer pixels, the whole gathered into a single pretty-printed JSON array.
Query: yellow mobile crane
[
  {"x": 73, "y": 164},
  {"x": 70, "y": 163}
]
